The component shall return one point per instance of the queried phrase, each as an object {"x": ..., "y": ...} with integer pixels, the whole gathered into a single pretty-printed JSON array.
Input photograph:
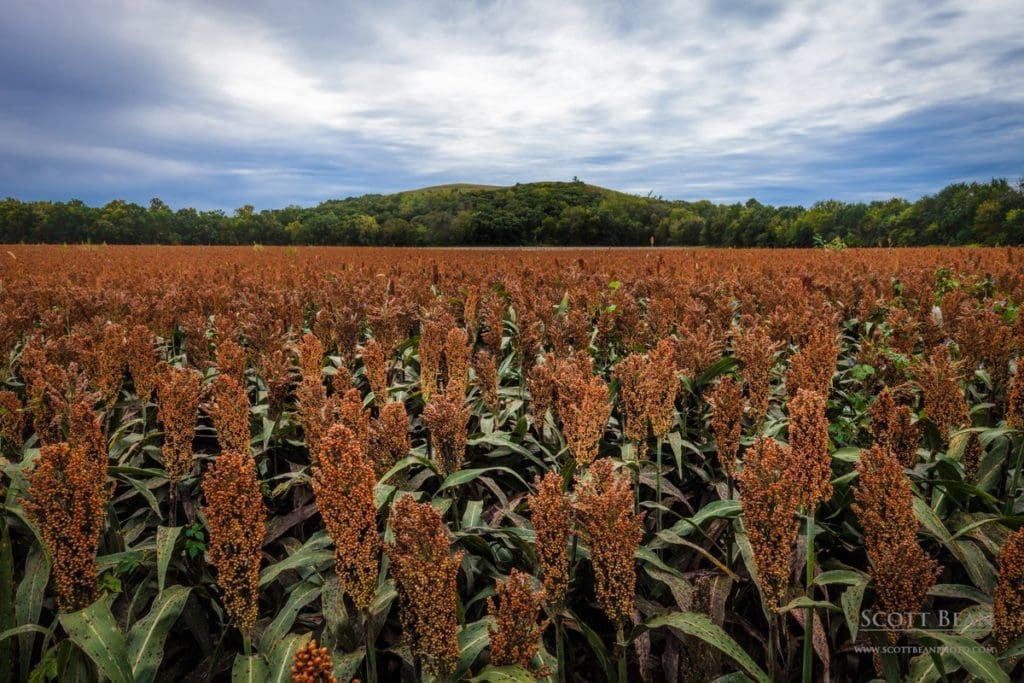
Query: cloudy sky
[{"x": 219, "y": 104}]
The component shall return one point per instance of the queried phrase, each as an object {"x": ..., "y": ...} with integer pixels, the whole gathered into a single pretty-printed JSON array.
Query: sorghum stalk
[
  {"x": 235, "y": 516},
  {"x": 425, "y": 574},
  {"x": 67, "y": 499}
]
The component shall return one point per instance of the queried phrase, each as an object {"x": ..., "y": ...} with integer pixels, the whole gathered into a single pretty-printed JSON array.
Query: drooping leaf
[
  {"x": 146, "y": 638},
  {"x": 251, "y": 669},
  {"x": 283, "y": 656},
  {"x": 699, "y": 626},
  {"x": 301, "y": 595},
  {"x": 166, "y": 537},
  {"x": 974, "y": 657},
  {"x": 94, "y": 630}
]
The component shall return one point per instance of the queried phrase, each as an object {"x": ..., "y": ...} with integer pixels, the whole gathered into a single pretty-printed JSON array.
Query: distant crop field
[{"x": 281, "y": 463}]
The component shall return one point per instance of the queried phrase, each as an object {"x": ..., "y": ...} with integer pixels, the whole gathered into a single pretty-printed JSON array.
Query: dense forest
[{"x": 551, "y": 213}]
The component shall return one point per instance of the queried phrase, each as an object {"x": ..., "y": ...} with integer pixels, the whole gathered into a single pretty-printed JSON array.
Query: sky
[{"x": 220, "y": 104}]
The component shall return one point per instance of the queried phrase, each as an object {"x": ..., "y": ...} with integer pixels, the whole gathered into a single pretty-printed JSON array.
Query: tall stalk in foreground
[
  {"x": 810, "y": 474},
  {"x": 612, "y": 530},
  {"x": 343, "y": 482}
]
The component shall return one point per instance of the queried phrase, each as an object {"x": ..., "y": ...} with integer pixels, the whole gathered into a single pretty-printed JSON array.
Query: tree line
[{"x": 554, "y": 213}]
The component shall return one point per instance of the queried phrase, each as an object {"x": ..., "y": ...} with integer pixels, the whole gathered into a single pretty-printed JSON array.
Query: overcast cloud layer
[{"x": 221, "y": 104}]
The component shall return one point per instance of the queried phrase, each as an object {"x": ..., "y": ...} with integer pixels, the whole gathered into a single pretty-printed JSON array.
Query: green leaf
[
  {"x": 503, "y": 674},
  {"x": 803, "y": 602},
  {"x": 923, "y": 668},
  {"x": 473, "y": 638},
  {"x": 847, "y": 454},
  {"x": 28, "y": 601},
  {"x": 166, "y": 537},
  {"x": 699, "y": 626},
  {"x": 251, "y": 669},
  {"x": 930, "y": 520},
  {"x": 302, "y": 595},
  {"x": 974, "y": 657},
  {"x": 851, "y": 600},
  {"x": 847, "y": 577},
  {"x": 345, "y": 664},
  {"x": 94, "y": 630},
  {"x": 465, "y": 476},
  {"x": 283, "y": 656},
  {"x": 146, "y": 638},
  {"x": 311, "y": 554},
  {"x": 597, "y": 648},
  {"x": 960, "y": 591},
  {"x": 7, "y": 619},
  {"x": 975, "y": 622}
]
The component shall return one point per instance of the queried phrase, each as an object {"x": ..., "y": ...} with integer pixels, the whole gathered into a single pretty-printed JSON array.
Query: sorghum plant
[
  {"x": 726, "y": 401},
  {"x": 756, "y": 352},
  {"x": 376, "y": 368},
  {"x": 228, "y": 408},
  {"x": 515, "y": 635},
  {"x": 901, "y": 571},
  {"x": 1008, "y": 607},
  {"x": 612, "y": 531},
  {"x": 770, "y": 501},
  {"x": 235, "y": 517},
  {"x": 893, "y": 427},
  {"x": 447, "y": 419},
  {"x": 551, "y": 513},
  {"x": 584, "y": 406},
  {"x": 178, "y": 393},
  {"x": 389, "y": 437},
  {"x": 425, "y": 574},
  {"x": 67, "y": 501},
  {"x": 343, "y": 482}
]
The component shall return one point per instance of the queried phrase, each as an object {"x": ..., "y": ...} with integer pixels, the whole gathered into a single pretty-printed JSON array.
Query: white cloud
[{"x": 516, "y": 91}]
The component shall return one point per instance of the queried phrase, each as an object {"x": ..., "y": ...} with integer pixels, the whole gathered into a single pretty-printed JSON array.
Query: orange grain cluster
[
  {"x": 343, "y": 483},
  {"x": 814, "y": 364},
  {"x": 457, "y": 353},
  {"x": 228, "y": 408},
  {"x": 447, "y": 420},
  {"x": 235, "y": 517},
  {"x": 389, "y": 437},
  {"x": 893, "y": 427},
  {"x": 811, "y": 465},
  {"x": 944, "y": 402},
  {"x": 515, "y": 635},
  {"x": 67, "y": 501},
  {"x": 901, "y": 571},
  {"x": 612, "y": 532},
  {"x": 727, "y": 404},
  {"x": 425, "y": 574},
  {"x": 1008, "y": 608},
  {"x": 756, "y": 352},
  {"x": 1015, "y": 400},
  {"x": 231, "y": 360},
  {"x": 485, "y": 369},
  {"x": 140, "y": 349},
  {"x": 178, "y": 394},
  {"x": 431, "y": 349},
  {"x": 312, "y": 665},
  {"x": 584, "y": 406},
  {"x": 12, "y": 419},
  {"x": 770, "y": 501},
  {"x": 551, "y": 514},
  {"x": 647, "y": 390},
  {"x": 376, "y": 367}
]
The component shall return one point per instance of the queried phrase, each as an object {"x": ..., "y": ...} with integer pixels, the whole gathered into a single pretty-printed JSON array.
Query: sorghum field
[{"x": 573, "y": 465}]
